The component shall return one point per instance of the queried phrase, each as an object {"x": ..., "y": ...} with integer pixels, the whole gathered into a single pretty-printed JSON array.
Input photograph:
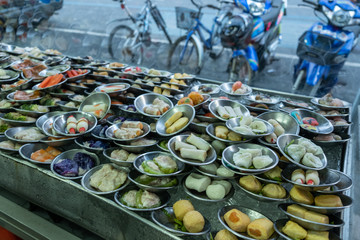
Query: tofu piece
[
  {"x": 317, "y": 235},
  {"x": 296, "y": 210},
  {"x": 316, "y": 217}
]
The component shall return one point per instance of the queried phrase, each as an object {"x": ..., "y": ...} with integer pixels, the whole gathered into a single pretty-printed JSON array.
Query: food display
[
  {"x": 161, "y": 164},
  {"x": 45, "y": 155},
  {"x": 108, "y": 178},
  {"x": 77, "y": 166},
  {"x": 201, "y": 178}
]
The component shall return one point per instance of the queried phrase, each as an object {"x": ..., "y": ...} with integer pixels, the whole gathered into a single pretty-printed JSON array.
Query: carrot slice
[
  {"x": 55, "y": 80},
  {"x": 45, "y": 82}
]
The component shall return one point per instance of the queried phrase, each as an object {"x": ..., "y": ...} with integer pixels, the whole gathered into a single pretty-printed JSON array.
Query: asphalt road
[{"x": 81, "y": 28}]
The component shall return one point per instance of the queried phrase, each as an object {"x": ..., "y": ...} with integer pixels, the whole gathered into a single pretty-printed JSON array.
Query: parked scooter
[
  {"x": 253, "y": 36},
  {"x": 324, "y": 48}
]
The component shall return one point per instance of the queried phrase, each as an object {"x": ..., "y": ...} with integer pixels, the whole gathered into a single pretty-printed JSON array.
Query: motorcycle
[
  {"x": 253, "y": 36},
  {"x": 324, "y": 48}
]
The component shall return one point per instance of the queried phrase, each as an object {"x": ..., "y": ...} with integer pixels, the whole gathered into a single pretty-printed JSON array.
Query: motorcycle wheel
[{"x": 241, "y": 70}]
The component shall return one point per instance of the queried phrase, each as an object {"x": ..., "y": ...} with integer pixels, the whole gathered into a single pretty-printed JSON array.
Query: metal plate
[
  {"x": 134, "y": 174},
  {"x": 346, "y": 201},
  {"x": 210, "y": 129},
  {"x": 235, "y": 122},
  {"x": 324, "y": 127},
  {"x": 110, "y": 132},
  {"x": 97, "y": 98},
  {"x": 147, "y": 99},
  {"x": 315, "y": 101},
  {"x": 223, "y": 102},
  {"x": 26, "y": 150},
  {"x": 12, "y": 131},
  {"x": 227, "y": 89},
  {"x": 60, "y": 123},
  {"x": 107, "y": 154}
]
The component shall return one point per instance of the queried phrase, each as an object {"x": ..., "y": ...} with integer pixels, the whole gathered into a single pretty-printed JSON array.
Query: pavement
[{"x": 81, "y": 28}]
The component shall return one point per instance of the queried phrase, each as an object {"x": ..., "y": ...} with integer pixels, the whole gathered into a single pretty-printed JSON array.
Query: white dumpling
[
  {"x": 258, "y": 127},
  {"x": 242, "y": 159},
  {"x": 246, "y": 130},
  {"x": 254, "y": 152},
  {"x": 246, "y": 120},
  {"x": 310, "y": 146},
  {"x": 262, "y": 161},
  {"x": 311, "y": 160},
  {"x": 210, "y": 168},
  {"x": 296, "y": 152}
]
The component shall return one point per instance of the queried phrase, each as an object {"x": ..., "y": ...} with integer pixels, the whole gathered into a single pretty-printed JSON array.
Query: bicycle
[
  {"x": 187, "y": 53},
  {"x": 126, "y": 44}
]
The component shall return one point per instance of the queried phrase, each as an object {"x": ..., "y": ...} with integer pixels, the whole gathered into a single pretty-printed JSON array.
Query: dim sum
[{"x": 296, "y": 152}]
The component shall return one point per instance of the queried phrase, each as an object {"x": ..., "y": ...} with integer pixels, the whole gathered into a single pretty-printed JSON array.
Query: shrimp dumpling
[
  {"x": 242, "y": 159},
  {"x": 296, "y": 152},
  {"x": 310, "y": 146},
  {"x": 311, "y": 160}
]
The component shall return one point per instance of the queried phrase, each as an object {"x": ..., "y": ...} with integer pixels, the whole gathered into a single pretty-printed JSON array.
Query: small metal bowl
[
  {"x": 235, "y": 122},
  {"x": 147, "y": 99},
  {"x": 95, "y": 132},
  {"x": 315, "y": 101},
  {"x": 47, "y": 126},
  {"x": 202, "y": 195},
  {"x": 327, "y": 177},
  {"x": 110, "y": 132},
  {"x": 228, "y": 153},
  {"x": 187, "y": 110},
  {"x": 123, "y": 109},
  {"x": 97, "y": 98},
  {"x": 33, "y": 114},
  {"x": 227, "y": 89},
  {"x": 12, "y": 131},
  {"x": 10, "y": 96},
  {"x": 290, "y": 103},
  {"x": 16, "y": 123},
  {"x": 335, "y": 222},
  {"x": 113, "y": 93},
  {"x": 26, "y": 150},
  {"x": 285, "y": 120},
  {"x": 143, "y": 71},
  {"x": 12, "y": 76},
  {"x": 70, "y": 155},
  {"x": 8, "y": 150},
  {"x": 215, "y": 88},
  {"x": 63, "y": 95},
  {"x": 163, "y": 74},
  {"x": 107, "y": 154},
  {"x": 85, "y": 180},
  {"x": 252, "y": 214},
  {"x": 223, "y": 102},
  {"x": 76, "y": 88},
  {"x": 48, "y": 89},
  {"x": 80, "y": 142},
  {"x": 285, "y": 139},
  {"x": 213, "y": 176},
  {"x": 210, "y": 129},
  {"x": 203, "y": 118},
  {"x": 150, "y": 156},
  {"x": 72, "y": 98},
  {"x": 134, "y": 174},
  {"x": 58, "y": 142},
  {"x": 164, "y": 200},
  {"x": 167, "y": 222},
  {"x": 274, "y": 100},
  {"x": 211, "y": 154},
  {"x": 54, "y": 70},
  {"x": 346, "y": 201},
  {"x": 135, "y": 148},
  {"x": 64, "y": 108},
  {"x": 262, "y": 198},
  {"x": 60, "y": 123},
  {"x": 78, "y": 77},
  {"x": 22, "y": 86},
  {"x": 279, "y": 224},
  {"x": 324, "y": 127},
  {"x": 162, "y": 148},
  {"x": 344, "y": 184}
]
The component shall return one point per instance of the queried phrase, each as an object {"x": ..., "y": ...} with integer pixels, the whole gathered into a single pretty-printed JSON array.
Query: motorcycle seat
[
  {"x": 271, "y": 16},
  {"x": 355, "y": 29}
]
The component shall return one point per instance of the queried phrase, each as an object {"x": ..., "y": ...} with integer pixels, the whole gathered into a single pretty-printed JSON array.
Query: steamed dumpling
[
  {"x": 310, "y": 146},
  {"x": 246, "y": 130},
  {"x": 246, "y": 120},
  {"x": 262, "y": 161},
  {"x": 311, "y": 160},
  {"x": 242, "y": 159},
  {"x": 258, "y": 127},
  {"x": 296, "y": 152},
  {"x": 254, "y": 152}
]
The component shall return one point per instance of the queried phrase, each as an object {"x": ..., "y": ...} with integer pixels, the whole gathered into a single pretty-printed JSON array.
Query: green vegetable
[
  {"x": 149, "y": 169},
  {"x": 163, "y": 144},
  {"x": 178, "y": 225},
  {"x": 287, "y": 146},
  {"x": 4, "y": 127},
  {"x": 15, "y": 116},
  {"x": 138, "y": 199}
]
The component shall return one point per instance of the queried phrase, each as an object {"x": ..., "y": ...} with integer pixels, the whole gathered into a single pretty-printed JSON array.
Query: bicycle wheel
[
  {"x": 241, "y": 70},
  {"x": 125, "y": 45},
  {"x": 184, "y": 56}
]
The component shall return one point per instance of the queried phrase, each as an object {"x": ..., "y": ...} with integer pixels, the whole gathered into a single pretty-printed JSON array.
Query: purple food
[
  {"x": 119, "y": 119},
  {"x": 131, "y": 108},
  {"x": 97, "y": 144},
  {"x": 67, "y": 168},
  {"x": 103, "y": 130},
  {"x": 84, "y": 161}
]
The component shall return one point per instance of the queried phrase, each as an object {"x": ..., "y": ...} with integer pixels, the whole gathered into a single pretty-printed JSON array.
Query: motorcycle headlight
[
  {"x": 256, "y": 8},
  {"x": 338, "y": 17}
]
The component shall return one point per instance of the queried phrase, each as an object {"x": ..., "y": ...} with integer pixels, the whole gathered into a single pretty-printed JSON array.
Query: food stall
[{"x": 188, "y": 132}]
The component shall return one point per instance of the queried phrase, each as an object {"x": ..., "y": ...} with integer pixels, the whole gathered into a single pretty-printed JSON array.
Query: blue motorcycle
[
  {"x": 253, "y": 36},
  {"x": 324, "y": 48}
]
